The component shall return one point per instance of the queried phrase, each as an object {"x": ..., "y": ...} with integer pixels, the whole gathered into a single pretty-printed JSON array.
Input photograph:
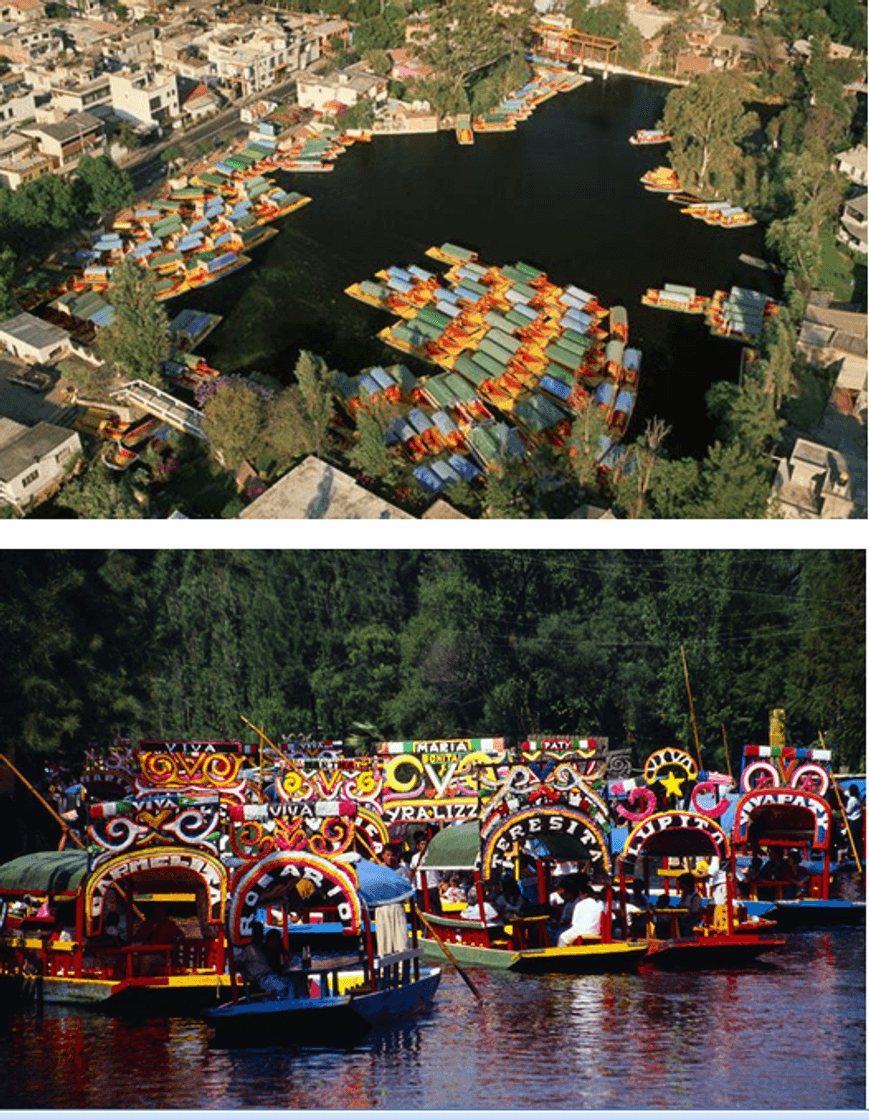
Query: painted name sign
[
  {"x": 787, "y": 798},
  {"x": 209, "y": 870},
  {"x": 665, "y": 822},
  {"x": 394, "y": 811},
  {"x": 534, "y": 824},
  {"x": 336, "y": 884}
]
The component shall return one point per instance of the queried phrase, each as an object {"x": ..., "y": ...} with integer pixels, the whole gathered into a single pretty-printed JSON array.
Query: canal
[
  {"x": 786, "y": 1034},
  {"x": 561, "y": 192}
]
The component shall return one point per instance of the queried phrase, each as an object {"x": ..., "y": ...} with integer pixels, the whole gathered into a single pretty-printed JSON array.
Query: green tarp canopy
[
  {"x": 454, "y": 848},
  {"x": 45, "y": 872}
]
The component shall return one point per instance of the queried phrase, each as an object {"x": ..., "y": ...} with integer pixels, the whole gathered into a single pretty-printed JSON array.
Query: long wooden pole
[
  {"x": 432, "y": 931},
  {"x": 691, "y": 706},
  {"x": 448, "y": 954},
  {"x": 63, "y": 824},
  {"x": 842, "y": 807},
  {"x": 726, "y": 751}
]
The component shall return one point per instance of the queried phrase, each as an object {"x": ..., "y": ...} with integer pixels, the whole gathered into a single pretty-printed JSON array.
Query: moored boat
[
  {"x": 650, "y": 136},
  {"x": 377, "y": 980}
]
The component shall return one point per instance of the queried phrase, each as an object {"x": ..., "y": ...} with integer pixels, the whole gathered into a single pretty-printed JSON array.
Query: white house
[
  {"x": 32, "y": 458},
  {"x": 33, "y": 340},
  {"x": 852, "y": 224},
  {"x": 147, "y": 98}
]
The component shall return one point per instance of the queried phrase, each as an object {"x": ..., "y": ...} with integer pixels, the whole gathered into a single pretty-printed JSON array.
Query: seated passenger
[
  {"x": 586, "y": 913},
  {"x": 159, "y": 929},
  {"x": 691, "y": 901},
  {"x": 472, "y": 912},
  {"x": 510, "y": 903},
  {"x": 256, "y": 969}
]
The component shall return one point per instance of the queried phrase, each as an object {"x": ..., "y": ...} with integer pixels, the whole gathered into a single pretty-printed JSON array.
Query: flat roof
[
  {"x": 314, "y": 490},
  {"x": 32, "y": 331}
]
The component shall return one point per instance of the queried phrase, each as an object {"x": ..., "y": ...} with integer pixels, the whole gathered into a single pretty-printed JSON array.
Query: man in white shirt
[{"x": 587, "y": 912}]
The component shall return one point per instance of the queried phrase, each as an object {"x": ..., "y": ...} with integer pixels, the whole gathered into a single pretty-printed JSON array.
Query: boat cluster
[
  {"x": 722, "y": 215},
  {"x": 738, "y": 314},
  {"x": 521, "y": 357},
  {"x": 549, "y": 79}
]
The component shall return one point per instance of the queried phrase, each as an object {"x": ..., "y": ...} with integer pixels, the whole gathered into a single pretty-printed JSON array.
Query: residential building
[
  {"x": 21, "y": 161},
  {"x": 32, "y": 459},
  {"x": 852, "y": 224},
  {"x": 65, "y": 142},
  {"x": 82, "y": 97},
  {"x": 812, "y": 483},
  {"x": 248, "y": 62},
  {"x": 853, "y": 164},
  {"x": 33, "y": 340},
  {"x": 17, "y": 103},
  {"x": 146, "y": 98},
  {"x": 20, "y": 11},
  {"x": 343, "y": 87}
]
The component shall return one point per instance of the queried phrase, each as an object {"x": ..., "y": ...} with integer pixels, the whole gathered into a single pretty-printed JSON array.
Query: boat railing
[{"x": 393, "y": 970}]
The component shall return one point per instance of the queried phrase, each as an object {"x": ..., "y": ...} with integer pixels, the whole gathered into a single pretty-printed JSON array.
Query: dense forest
[{"x": 364, "y": 645}]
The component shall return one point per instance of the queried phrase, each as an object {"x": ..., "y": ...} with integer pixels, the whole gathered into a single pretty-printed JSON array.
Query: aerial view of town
[{"x": 462, "y": 259}]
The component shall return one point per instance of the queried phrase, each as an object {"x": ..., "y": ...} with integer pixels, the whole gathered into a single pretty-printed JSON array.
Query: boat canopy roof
[
  {"x": 454, "y": 848},
  {"x": 45, "y": 872}
]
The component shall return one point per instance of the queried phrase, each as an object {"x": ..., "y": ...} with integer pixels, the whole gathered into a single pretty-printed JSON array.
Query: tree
[
  {"x": 105, "y": 185},
  {"x": 136, "y": 342},
  {"x": 708, "y": 122},
  {"x": 738, "y": 13},
  {"x": 7, "y": 272},
  {"x": 99, "y": 493},
  {"x": 234, "y": 420},
  {"x": 369, "y": 453}
]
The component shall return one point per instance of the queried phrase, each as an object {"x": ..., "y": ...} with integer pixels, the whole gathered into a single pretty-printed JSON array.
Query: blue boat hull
[{"x": 323, "y": 1020}]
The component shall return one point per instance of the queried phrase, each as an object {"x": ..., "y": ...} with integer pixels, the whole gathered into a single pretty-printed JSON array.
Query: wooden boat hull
[
  {"x": 158, "y": 993},
  {"x": 806, "y": 913},
  {"x": 323, "y": 1019},
  {"x": 703, "y": 953},
  {"x": 594, "y": 957}
]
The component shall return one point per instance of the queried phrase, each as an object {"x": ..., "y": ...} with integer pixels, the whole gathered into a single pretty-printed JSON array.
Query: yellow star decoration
[{"x": 672, "y": 785}]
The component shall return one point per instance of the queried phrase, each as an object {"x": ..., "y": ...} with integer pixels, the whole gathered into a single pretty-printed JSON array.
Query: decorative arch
[
  {"x": 536, "y": 823},
  {"x": 269, "y": 877},
  {"x": 788, "y": 812},
  {"x": 159, "y": 865},
  {"x": 658, "y": 833}
]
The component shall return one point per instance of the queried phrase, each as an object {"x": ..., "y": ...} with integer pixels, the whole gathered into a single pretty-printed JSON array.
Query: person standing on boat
[
  {"x": 586, "y": 914},
  {"x": 432, "y": 879}
]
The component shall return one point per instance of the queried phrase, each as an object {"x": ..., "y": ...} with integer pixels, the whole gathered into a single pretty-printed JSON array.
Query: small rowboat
[{"x": 650, "y": 136}]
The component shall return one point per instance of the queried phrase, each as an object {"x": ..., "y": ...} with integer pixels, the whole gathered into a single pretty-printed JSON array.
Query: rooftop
[
  {"x": 21, "y": 446},
  {"x": 31, "y": 331},
  {"x": 314, "y": 490}
]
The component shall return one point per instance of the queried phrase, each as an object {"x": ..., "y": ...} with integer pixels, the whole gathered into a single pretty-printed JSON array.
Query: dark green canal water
[{"x": 561, "y": 192}]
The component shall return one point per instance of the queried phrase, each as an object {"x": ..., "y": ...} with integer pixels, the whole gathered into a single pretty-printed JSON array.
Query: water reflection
[{"x": 787, "y": 1035}]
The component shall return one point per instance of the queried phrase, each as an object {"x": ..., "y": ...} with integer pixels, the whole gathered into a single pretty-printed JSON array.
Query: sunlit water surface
[{"x": 787, "y": 1034}]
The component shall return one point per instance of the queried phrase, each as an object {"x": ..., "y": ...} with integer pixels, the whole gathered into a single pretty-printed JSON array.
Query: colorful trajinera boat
[
  {"x": 784, "y": 812},
  {"x": 560, "y": 825},
  {"x": 136, "y": 922},
  {"x": 376, "y": 980},
  {"x": 672, "y": 826},
  {"x": 650, "y": 136}
]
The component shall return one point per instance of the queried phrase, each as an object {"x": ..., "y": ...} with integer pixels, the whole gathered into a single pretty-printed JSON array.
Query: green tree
[
  {"x": 99, "y": 493},
  {"x": 136, "y": 342},
  {"x": 105, "y": 186},
  {"x": 7, "y": 272},
  {"x": 369, "y": 453},
  {"x": 234, "y": 421},
  {"x": 708, "y": 122}
]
